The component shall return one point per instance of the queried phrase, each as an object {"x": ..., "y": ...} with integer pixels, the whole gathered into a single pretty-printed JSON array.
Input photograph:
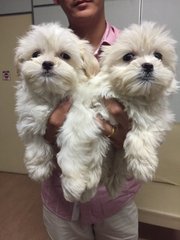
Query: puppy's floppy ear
[
  {"x": 21, "y": 47},
  {"x": 174, "y": 87},
  {"x": 90, "y": 64},
  {"x": 18, "y": 60}
]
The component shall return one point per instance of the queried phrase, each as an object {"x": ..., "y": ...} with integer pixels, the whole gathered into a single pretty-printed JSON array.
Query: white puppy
[
  {"x": 51, "y": 63},
  {"x": 138, "y": 71}
]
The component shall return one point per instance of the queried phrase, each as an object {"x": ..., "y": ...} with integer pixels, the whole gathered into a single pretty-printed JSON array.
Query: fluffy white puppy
[
  {"x": 138, "y": 71},
  {"x": 51, "y": 63}
]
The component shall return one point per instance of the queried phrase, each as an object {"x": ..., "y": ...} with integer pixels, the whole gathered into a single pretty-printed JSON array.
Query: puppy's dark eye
[
  {"x": 65, "y": 56},
  {"x": 158, "y": 55},
  {"x": 128, "y": 57},
  {"x": 36, "y": 54}
]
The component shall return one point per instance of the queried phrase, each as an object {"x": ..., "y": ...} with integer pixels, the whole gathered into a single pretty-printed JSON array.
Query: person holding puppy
[{"x": 102, "y": 218}]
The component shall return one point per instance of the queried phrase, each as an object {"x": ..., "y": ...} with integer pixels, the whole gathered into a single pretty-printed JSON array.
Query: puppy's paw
[
  {"x": 143, "y": 171},
  {"x": 72, "y": 188},
  {"x": 88, "y": 194},
  {"x": 92, "y": 183},
  {"x": 77, "y": 189},
  {"x": 39, "y": 160},
  {"x": 40, "y": 172}
]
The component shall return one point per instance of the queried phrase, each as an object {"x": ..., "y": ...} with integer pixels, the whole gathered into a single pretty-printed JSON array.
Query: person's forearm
[
  {"x": 50, "y": 135},
  {"x": 56, "y": 120}
]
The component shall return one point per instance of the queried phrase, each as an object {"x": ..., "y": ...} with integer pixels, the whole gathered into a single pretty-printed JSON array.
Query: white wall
[
  {"x": 15, "y": 6},
  {"x": 166, "y": 12},
  {"x": 55, "y": 13},
  {"x": 122, "y": 13}
]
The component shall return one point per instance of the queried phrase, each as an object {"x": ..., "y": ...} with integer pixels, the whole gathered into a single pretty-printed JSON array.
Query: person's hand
[
  {"x": 56, "y": 120},
  {"x": 116, "y": 134}
]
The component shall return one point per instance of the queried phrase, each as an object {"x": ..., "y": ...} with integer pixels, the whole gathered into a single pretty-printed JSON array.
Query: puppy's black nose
[
  {"x": 47, "y": 65},
  {"x": 147, "y": 67}
]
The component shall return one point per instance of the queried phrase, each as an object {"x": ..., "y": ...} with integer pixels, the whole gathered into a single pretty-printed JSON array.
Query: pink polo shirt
[{"x": 101, "y": 206}]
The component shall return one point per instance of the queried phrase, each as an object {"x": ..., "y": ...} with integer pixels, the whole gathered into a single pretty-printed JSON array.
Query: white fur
[
  {"x": 39, "y": 90},
  {"x": 86, "y": 156}
]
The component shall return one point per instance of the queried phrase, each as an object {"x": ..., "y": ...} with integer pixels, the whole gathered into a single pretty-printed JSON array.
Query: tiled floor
[{"x": 20, "y": 209}]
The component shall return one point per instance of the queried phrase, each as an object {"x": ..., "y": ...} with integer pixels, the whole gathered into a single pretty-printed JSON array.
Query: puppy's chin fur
[
  {"x": 142, "y": 83},
  {"x": 52, "y": 62},
  {"x": 131, "y": 82},
  {"x": 57, "y": 81}
]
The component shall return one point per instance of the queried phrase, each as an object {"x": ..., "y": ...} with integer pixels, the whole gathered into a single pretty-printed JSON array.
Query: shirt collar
[{"x": 110, "y": 35}]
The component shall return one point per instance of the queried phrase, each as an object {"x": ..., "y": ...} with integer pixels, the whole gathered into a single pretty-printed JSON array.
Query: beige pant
[{"x": 123, "y": 225}]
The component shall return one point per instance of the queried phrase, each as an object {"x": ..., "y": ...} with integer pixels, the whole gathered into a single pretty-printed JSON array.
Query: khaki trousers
[{"x": 123, "y": 225}]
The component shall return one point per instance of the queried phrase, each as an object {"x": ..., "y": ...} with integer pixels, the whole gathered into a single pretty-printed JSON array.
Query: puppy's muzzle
[{"x": 47, "y": 65}]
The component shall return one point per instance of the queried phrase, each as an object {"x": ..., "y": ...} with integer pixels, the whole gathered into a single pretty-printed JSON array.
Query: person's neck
[{"x": 92, "y": 31}]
